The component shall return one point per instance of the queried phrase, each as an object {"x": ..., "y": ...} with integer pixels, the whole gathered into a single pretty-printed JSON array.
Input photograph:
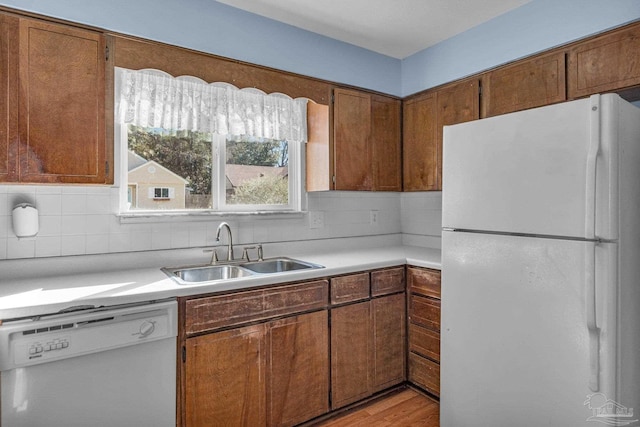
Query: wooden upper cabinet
[
  {"x": 424, "y": 116},
  {"x": 420, "y": 155},
  {"x": 9, "y": 96},
  {"x": 387, "y": 146},
  {"x": 366, "y": 141},
  {"x": 62, "y": 104},
  {"x": 351, "y": 140},
  {"x": 526, "y": 84},
  {"x": 604, "y": 64}
]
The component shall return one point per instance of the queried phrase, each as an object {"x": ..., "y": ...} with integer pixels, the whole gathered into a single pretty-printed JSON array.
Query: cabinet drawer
[
  {"x": 424, "y": 281},
  {"x": 387, "y": 281},
  {"x": 425, "y": 311},
  {"x": 424, "y": 373},
  {"x": 208, "y": 313},
  {"x": 424, "y": 342},
  {"x": 349, "y": 288}
]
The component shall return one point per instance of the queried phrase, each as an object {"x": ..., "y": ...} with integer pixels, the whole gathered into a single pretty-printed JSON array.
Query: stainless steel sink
[
  {"x": 236, "y": 270},
  {"x": 207, "y": 273},
  {"x": 278, "y": 265}
]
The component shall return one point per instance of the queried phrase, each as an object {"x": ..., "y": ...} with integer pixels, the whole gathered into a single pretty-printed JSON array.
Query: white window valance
[{"x": 153, "y": 98}]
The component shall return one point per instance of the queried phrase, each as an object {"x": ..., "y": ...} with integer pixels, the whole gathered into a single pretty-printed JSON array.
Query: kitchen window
[{"x": 196, "y": 146}]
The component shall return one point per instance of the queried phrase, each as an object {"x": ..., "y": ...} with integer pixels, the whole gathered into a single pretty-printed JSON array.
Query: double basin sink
[{"x": 220, "y": 272}]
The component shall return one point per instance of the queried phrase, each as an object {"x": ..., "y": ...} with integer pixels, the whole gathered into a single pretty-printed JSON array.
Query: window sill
[{"x": 177, "y": 216}]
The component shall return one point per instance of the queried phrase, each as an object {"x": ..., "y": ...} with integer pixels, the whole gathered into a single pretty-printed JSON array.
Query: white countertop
[{"x": 35, "y": 287}]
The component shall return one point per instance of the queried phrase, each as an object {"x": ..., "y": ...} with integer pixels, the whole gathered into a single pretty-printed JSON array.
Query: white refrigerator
[{"x": 541, "y": 268}]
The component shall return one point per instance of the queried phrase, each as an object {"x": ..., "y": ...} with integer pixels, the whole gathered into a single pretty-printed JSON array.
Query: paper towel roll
[{"x": 25, "y": 220}]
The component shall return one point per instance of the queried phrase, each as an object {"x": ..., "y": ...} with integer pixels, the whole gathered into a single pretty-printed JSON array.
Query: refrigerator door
[
  {"x": 534, "y": 171},
  {"x": 526, "y": 333}
]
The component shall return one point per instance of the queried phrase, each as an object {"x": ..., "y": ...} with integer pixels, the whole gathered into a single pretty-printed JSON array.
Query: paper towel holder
[{"x": 25, "y": 220}]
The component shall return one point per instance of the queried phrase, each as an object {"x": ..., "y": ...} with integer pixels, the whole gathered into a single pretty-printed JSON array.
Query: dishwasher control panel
[{"x": 80, "y": 334}]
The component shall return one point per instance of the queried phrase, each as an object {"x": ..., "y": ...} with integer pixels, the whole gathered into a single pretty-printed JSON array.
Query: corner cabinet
[
  {"x": 423, "y": 119},
  {"x": 54, "y": 80},
  {"x": 366, "y": 141}
]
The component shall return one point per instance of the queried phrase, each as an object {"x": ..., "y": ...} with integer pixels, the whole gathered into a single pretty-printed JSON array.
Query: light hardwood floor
[{"x": 407, "y": 408}]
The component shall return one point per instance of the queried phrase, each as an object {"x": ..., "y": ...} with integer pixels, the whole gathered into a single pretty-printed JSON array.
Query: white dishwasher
[{"x": 99, "y": 367}]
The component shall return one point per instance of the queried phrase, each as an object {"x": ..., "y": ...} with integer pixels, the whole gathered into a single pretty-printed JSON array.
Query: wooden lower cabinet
[
  {"x": 388, "y": 326},
  {"x": 368, "y": 342},
  {"x": 282, "y": 355},
  {"x": 351, "y": 350},
  {"x": 297, "y": 369},
  {"x": 225, "y": 378},
  {"x": 271, "y": 374},
  {"x": 424, "y": 328}
]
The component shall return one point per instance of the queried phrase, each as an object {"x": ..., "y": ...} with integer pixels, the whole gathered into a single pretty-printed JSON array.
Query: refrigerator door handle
[
  {"x": 592, "y": 326},
  {"x": 592, "y": 157}
]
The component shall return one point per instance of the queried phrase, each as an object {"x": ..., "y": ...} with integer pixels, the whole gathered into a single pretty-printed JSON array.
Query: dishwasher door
[{"x": 114, "y": 368}]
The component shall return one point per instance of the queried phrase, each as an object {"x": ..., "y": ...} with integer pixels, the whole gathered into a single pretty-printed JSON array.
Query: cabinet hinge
[
  {"x": 106, "y": 53},
  {"x": 106, "y": 168},
  {"x": 480, "y": 90},
  {"x": 184, "y": 354},
  {"x": 333, "y": 179}
]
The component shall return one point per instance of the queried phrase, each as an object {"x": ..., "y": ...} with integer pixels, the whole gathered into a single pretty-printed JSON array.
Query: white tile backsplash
[{"x": 76, "y": 220}]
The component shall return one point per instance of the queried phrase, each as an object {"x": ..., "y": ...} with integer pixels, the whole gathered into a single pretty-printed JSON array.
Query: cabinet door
[
  {"x": 388, "y": 325},
  {"x": 298, "y": 365},
  {"x": 458, "y": 103},
  {"x": 387, "y": 144},
  {"x": 9, "y": 94},
  {"x": 61, "y": 104},
  {"x": 527, "y": 84},
  {"x": 350, "y": 353},
  {"x": 225, "y": 378},
  {"x": 604, "y": 64},
  {"x": 419, "y": 150},
  {"x": 351, "y": 136}
]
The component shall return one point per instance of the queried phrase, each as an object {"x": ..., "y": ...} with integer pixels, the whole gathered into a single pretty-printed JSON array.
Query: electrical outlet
[
  {"x": 316, "y": 219},
  {"x": 373, "y": 217}
]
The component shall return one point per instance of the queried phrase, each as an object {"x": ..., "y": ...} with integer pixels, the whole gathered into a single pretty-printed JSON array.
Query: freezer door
[
  {"x": 525, "y": 341},
  {"x": 534, "y": 171}
]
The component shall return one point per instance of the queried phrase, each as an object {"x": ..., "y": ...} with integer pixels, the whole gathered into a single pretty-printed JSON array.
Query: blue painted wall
[
  {"x": 534, "y": 27},
  {"x": 213, "y": 27}
]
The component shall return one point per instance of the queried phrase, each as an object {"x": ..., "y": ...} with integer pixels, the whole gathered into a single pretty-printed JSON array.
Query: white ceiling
[{"x": 397, "y": 28}]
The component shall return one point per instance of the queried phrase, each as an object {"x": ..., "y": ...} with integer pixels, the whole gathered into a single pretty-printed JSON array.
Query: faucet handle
[
  {"x": 214, "y": 255},
  {"x": 245, "y": 252}
]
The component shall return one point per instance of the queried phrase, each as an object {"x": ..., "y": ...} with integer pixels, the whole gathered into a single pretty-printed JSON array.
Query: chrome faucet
[{"x": 230, "y": 251}]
